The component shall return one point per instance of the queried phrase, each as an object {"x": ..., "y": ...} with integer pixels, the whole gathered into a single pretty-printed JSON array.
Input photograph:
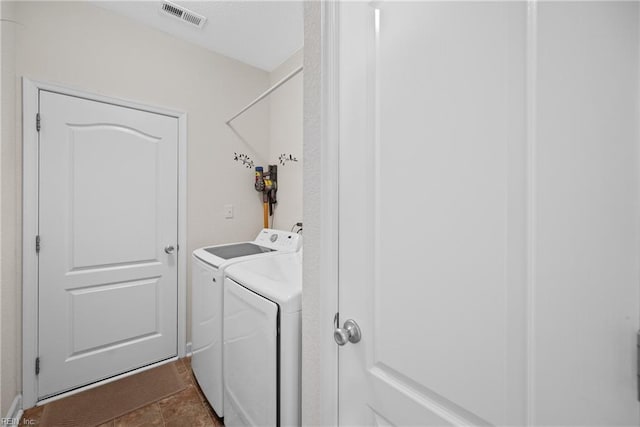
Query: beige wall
[
  {"x": 285, "y": 137},
  {"x": 10, "y": 337},
  {"x": 85, "y": 47}
]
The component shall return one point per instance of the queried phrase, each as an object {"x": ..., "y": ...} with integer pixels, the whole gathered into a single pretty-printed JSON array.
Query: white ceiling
[{"x": 260, "y": 33}]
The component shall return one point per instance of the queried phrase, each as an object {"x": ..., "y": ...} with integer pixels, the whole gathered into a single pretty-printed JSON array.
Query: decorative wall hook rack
[
  {"x": 244, "y": 159},
  {"x": 284, "y": 158}
]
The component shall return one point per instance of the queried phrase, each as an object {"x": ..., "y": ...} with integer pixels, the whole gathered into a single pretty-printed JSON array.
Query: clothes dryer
[{"x": 262, "y": 342}]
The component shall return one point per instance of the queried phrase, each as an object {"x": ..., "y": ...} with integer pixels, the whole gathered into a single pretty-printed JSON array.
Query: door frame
[
  {"x": 30, "y": 219},
  {"x": 325, "y": 170}
]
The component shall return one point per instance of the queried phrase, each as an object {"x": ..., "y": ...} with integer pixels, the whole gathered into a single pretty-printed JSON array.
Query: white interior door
[
  {"x": 108, "y": 209},
  {"x": 489, "y": 213}
]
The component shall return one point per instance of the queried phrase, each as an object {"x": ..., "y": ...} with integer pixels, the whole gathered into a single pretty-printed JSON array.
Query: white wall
[
  {"x": 285, "y": 137},
  {"x": 312, "y": 320},
  {"x": 86, "y": 47},
  {"x": 10, "y": 341}
]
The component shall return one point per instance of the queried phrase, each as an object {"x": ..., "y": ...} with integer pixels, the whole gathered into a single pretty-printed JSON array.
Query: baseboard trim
[
  {"x": 189, "y": 351},
  {"x": 15, "y": 412}
]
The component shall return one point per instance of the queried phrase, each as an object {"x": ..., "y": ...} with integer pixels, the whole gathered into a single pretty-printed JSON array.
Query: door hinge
[
  {"x": 38, "y": 244},
  {"x": 638, "y": 362},
  {"x": 37, "y": 365},
  {"x": 38, "y": 122}
]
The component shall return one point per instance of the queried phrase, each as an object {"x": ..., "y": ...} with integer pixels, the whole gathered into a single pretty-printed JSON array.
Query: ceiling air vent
[{"x": 183, "y": 14}]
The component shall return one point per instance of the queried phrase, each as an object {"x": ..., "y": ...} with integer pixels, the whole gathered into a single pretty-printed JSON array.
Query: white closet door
[
  {"x": 489, "y": 213},
  {"x": 108, "y": 220}
]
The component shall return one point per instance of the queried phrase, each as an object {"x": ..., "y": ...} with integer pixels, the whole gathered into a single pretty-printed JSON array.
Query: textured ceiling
[{"x": 260, "y": 33}]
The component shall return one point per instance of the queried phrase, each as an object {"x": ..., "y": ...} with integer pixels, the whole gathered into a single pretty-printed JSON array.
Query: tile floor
[{"x": 189, "y": 408}]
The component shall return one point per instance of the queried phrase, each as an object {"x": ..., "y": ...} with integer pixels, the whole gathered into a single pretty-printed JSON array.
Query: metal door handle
[
  {"x": 169, "y": 249},
  {"x": 350, "y": 332}
]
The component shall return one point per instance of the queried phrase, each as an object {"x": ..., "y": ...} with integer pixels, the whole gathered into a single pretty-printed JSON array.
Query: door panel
[
  {"x": 426, "y": 205},
  {"x": 586, "y": 295},
  {"x": 92, "y": 310},
  {"x": 97, "y": 153},
  {"x": 108, "y": 207}
]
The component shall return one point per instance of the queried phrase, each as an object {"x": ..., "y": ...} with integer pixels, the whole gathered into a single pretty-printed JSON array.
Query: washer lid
[
  {"x": 277, "y": 278},
  {"x": 237, "y": 250}
]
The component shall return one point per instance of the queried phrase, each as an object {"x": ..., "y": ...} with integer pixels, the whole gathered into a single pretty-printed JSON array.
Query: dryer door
[{"x": 250, "y": 358}]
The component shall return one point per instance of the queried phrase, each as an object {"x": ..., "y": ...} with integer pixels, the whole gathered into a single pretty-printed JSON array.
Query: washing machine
[
  {"x": 262, "y": 342},
  {"x": 207, "y": 275}
]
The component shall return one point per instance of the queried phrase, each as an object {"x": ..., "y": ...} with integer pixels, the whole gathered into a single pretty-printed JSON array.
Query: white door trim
[
  {"x": 30, "y": 220},
  {"x": 329, "y": 225}
]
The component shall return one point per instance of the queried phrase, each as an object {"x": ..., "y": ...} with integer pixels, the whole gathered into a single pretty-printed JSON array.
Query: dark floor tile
[
  {"x": 188, "y": 407},
  {"x": 214, "y": 417},
  {"x": 195, "y": 417},
  {"x": 207, "y": 406},
  {"x": 200, "y": 392},
  {"x": 180, "y": 366},
  {"x": 32, "y": 416},
  {"x": 180, "y": 404},
  {"x": 187, "y": 376},
  {"x": 146, "y": 416}
]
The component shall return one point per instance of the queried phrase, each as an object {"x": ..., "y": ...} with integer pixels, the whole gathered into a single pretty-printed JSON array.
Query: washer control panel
[{"x": 279, "y": 240}]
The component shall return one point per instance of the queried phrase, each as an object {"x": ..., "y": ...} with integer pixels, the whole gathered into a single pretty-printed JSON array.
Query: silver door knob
[
  {"x": 169, "y": 249},
  {"x": 350, "y": 332}
]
